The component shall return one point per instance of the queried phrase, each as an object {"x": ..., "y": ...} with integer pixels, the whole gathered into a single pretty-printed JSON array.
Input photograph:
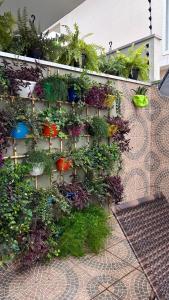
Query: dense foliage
[
  {"x": 69, "y": 218},
  {"x": 84, "y": 231}
]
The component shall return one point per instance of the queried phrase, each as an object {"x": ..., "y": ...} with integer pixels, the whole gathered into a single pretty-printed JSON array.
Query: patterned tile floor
[{"x": 114, "y": 274}]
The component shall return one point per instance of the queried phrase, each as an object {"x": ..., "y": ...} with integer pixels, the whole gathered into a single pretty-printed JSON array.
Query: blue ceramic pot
[
  {"x": 20, "y": 131},
  {"x": 72, "y": 95}
]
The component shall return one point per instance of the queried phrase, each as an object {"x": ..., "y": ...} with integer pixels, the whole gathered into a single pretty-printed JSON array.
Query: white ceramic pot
[
  {"x": 27, "y": 91},
  {"x": 37, "y": 169}
]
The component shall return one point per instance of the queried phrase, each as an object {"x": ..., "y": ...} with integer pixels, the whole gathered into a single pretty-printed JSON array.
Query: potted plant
[
  {"x": 115, "y": 188},
  {"x": 53, "y": 121},
  {"x": 77, "y": 87},
  {"x": 74, "y": 124},
  {"x": 118, "y": 131},
  {"x": 101, "y": 96},
  {"x": 21, "y": 125},
  {"x": 53, "y": 88},
  {"x": 140, "y": 99},
  {"x": 137, "y": 64},
  {"x": 40, "y": 162},
  {"x": 22, "y": 78},
  {"x": 98, "y": 127},
  {"x": 28, "y": 40},
  {"x": 7, "y": 23},
  {"x": 114, "y": 65},
  {"x": 63, "y": 164},
  {"x": 75, "y": 193},
  {"x": 76, "y": 52}
]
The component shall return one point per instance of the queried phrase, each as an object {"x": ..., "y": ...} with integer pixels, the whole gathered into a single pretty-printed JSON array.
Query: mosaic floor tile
[
  {"x": 58, "y": 280},
  {"x": 123, "y": 251},
  {"x": 106, "y": 295},
  {"x": 132, "y": 287},
  {"x": 116, "y": 234},
  {"x": 105, "y": 268}
]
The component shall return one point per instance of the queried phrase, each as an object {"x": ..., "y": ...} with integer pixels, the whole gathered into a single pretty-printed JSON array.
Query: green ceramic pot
[{"x": 140, "y": 101}]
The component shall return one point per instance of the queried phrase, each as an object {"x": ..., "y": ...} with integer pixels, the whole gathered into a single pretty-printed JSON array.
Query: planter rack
[{"x": 16, "y": 156}]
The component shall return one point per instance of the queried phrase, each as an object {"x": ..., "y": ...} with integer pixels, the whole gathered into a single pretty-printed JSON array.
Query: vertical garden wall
[{"x": 136, "y": 164}]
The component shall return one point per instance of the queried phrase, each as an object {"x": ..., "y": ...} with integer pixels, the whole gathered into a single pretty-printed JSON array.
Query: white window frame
[{"x": 165, "y": 51}]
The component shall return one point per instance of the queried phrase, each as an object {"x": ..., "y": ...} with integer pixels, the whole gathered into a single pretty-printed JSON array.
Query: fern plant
[
  {"x": 76, "y": 52},
  {"x": 6, "y": 27}
]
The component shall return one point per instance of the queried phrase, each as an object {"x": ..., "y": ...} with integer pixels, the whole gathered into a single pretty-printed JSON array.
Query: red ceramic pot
[
  {"x": 63, "y": 165},
  {"x": 50, "y": 130}
]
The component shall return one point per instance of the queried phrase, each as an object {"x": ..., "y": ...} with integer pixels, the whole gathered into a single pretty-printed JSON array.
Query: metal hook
[{"x": 33, "y": 19}]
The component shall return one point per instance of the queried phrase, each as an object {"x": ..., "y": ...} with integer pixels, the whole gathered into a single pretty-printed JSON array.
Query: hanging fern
[{"x": 6, "y": 25}]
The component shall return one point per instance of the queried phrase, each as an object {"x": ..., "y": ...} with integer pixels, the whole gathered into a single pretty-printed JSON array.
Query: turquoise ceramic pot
[{"x": 20, "y": 131}]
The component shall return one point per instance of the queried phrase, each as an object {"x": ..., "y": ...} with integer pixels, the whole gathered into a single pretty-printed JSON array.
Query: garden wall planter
[
  {"x": 112, "y": 130},
  {"x": 140, "y": 101},
  {"x": 27, "y": 90},
  {"x": 35, "y": 53},
  {"x": 63, "y": 165},
  {"x": 37, "y": 169},
  {"x": 50, "y": 130},
  {"x": 109, "y": 101},
  {"x": 20, "y": 131},
  {"x": 75, "y": 131},
  {"x": 72, "y": 95}
]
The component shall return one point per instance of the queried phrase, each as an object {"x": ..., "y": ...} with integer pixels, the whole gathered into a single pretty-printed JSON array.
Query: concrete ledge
[{"x": 6, "y": 55}]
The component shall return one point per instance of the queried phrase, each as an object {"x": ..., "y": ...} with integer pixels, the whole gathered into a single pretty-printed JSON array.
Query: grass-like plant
[
  {"x": 84, "y": 231},
  {"x": 98, "y": 127}
]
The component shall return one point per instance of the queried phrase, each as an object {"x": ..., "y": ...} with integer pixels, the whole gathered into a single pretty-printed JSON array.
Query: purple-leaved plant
[
  {"x": 97, "y": 94},
  {"x": 76, "y": 194},
  {"x": 120, "y": 135},
  {"x": 115, "y": 188}
]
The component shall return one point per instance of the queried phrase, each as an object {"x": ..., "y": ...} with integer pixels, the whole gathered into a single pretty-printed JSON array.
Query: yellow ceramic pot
[
  {"x": 108, "y": 102},
  {"x": 112, "y": 130}
]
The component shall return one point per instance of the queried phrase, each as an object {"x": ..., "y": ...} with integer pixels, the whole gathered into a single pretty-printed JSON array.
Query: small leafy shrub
[
  {"x": 84, "y": 231},
  {"x": 97, "y": 188},
  {"x": 98, "y": 158},
  {"x": 16, "y": 214},
  {"x": 98, "y": 127}
]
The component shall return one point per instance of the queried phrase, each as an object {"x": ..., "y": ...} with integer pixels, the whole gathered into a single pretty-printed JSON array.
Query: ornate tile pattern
[
  {"x": 132, "y": 287},
  {"x": 102, "y": 276}
]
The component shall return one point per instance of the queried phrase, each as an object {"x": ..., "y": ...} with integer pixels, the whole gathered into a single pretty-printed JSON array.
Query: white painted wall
[{"x": 119, "y": 21}]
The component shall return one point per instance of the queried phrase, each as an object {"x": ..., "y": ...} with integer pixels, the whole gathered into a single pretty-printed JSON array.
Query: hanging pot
[
  {"x": 75, "y": 130},
  {"x": 63, "y": 165},
  {"x": 140, "y": 101},
  {"x": 49, "y": 91},
  {"x": 112, "y": 130},
  {"x": 84, "y": 59},
  {"x": 108, "y": 102},
  {"x": 36, "y": 53},
  {"x": 37, "y": 169},
  {"x": 134, "y": 73},
  {"x": 26, "y": 90},
  {"x": 20, "y": 131},
  {"x": 72, "y": 95},
  {"x": 50, "y": 130}
]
